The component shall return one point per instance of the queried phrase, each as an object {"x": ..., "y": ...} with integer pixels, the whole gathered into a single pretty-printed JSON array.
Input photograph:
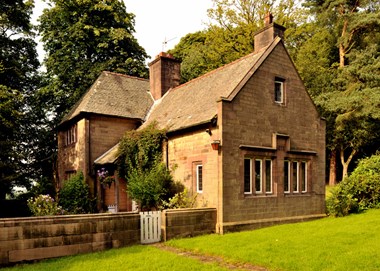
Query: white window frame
[
  {"x": 297, "y": 179},
  {"x": 287, "y": 162},
  {"x": 250, "y": 176},
  {"x": 280, "y": 82},
  {"x": 261, "y": 176},
  {"x": 271, "y": 176},
  {"x": 304, "y": 176},
  {"x": 197, "y": 168}
]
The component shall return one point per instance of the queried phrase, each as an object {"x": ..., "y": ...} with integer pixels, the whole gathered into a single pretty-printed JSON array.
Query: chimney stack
[
  {"x": 164, "y": 73},
  {"x": 268, "y": 33}
]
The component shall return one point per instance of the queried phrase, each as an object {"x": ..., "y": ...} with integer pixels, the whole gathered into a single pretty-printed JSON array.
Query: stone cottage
[{"x": 246, "y": 137}]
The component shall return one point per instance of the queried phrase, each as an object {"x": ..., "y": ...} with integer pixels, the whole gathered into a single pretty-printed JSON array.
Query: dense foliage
[
  {"x": 74, "y": 196},
  {"x": 140, "y": 163},
  {"x": 359, "y": 191},
  {"x": 18, "y": 80}
]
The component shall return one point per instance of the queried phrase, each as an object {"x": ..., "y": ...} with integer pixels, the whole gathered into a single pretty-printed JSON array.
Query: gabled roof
[
  {"x": 195, "y": 102},
  {"x": 115, "y": 95}
]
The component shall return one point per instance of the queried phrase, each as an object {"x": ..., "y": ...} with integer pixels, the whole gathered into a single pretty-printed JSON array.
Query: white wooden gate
[{"x": 150, "y": 227}]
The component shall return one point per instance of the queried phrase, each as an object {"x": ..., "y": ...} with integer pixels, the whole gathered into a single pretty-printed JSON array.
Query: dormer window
[
  {"x": 279, "y": 96},
  {"x": 71, "y": 135}
]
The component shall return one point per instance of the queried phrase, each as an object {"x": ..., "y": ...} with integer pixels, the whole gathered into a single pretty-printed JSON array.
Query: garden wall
[
  {"x": 178, "y": 223},
  {"x": 37, "y": 238}
]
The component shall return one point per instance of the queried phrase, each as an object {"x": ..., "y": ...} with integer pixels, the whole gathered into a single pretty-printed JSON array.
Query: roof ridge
[
  {"x": 125, "y": 75},
  {"x": 215, "y": 70}
]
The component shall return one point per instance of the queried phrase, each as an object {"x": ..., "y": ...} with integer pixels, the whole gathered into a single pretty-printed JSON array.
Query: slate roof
[
  {"x": 195, "y": 102},
  {"x": 116, "y": 95}
]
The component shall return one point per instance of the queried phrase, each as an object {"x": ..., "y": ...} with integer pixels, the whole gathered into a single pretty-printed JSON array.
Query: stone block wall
[
  {"x": 37, "y": 238},
  {"x": 178, "y": 223},
  {"x": 28, "y": 239}
]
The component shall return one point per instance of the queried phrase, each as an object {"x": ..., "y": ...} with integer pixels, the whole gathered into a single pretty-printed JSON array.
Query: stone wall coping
[
  {"x": 189, "y": 210},
  {"x": 11, "y": 222}
]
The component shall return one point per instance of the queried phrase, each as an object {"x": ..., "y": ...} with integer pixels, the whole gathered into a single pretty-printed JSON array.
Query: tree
[
  {"x": 229, "y": 36},
  {"x": 82, "y": 39},
  {"x": 355, "y": 27},
  {"x": 18, "y": 81}
]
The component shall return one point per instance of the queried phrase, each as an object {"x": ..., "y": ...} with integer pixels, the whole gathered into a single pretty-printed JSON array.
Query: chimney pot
[{"x": 268, "y": 19}]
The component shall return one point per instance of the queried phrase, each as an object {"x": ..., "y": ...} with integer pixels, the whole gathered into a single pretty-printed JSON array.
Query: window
[
  {"x": 303, "y": 176},
  {"x": 286, "y": 177},
  {"x": 295, "y": 176},
  {"x": 257, "y": 174},
  {"x": 279, "y": 90},
  {"x": 247, "y": 176},
  {"x": 199, "y": 178},
  {"x": 268, "y": 176},
  {"x": 71, "y": 135}
]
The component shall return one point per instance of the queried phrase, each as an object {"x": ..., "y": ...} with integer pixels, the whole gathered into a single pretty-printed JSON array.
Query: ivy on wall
[{"x": 140, "y": 164}]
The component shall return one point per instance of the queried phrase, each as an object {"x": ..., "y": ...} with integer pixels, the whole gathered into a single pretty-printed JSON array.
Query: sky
[{"x": 157, "y": 21}]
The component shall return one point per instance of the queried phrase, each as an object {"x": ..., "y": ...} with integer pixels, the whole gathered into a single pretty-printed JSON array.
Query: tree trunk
[
  {"x": 346, "y": 163},
  {"x": 332, "y": 173}
]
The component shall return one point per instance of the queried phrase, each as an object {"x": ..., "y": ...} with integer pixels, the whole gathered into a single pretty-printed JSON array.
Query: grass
[
  {"x": 128, "y": 258},
  {"x": 349, "y": 243}
]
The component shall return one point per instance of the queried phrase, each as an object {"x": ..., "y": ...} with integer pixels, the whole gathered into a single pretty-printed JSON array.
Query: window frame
[
  {"x": 288, "y": 180},
  {"x": 249, "y": 176},
  {"x": 258, "y": 175},
  {"x": 260, "y": 191},
  {"x": 278, "y": 81},
  {"x": 199, "y": 177},
  {"x": 297, "y": 173},
  {"x": 71, "y": 135},
  {"x": 304, "y": 176},
  {"x": 270, "y": 191}
]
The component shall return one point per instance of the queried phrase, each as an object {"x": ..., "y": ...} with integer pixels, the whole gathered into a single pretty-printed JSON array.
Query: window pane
[
  {"x": 295, "y": 176},
  {"x": 199, "y": 179},
  {"x": 258, "y": 176},
  {"x": 286, "y": 176},
  {"x": 268, "y": 176},
  {"x": 303, "y": 176},
  {"x": 278, "y": 91},
  {"x": 247, "y": 176}
]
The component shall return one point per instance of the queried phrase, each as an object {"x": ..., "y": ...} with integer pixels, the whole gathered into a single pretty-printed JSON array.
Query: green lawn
[
  {"x": 349, "y": 243},
  {"x": 139, "y": 258}
]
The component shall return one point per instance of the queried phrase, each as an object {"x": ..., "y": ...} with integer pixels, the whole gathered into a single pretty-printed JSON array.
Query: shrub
[
  {"x": 44, "y": 205},
  {"x": 74, "y": 196},
  {"x": 181, "y": 200},
  {"x": 150, "y": 187},
  {"x": 359, "y": 191}
]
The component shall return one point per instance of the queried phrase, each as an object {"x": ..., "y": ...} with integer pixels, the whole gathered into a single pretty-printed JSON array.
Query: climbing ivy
[
  {"x": 140, "y": 149},
  {"x": 140, "y": 164}
]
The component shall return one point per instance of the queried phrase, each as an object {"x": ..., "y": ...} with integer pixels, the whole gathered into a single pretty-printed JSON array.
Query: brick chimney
[
  {"x": 266, "y": 35},
  {"x": 164, "y": 73}
]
